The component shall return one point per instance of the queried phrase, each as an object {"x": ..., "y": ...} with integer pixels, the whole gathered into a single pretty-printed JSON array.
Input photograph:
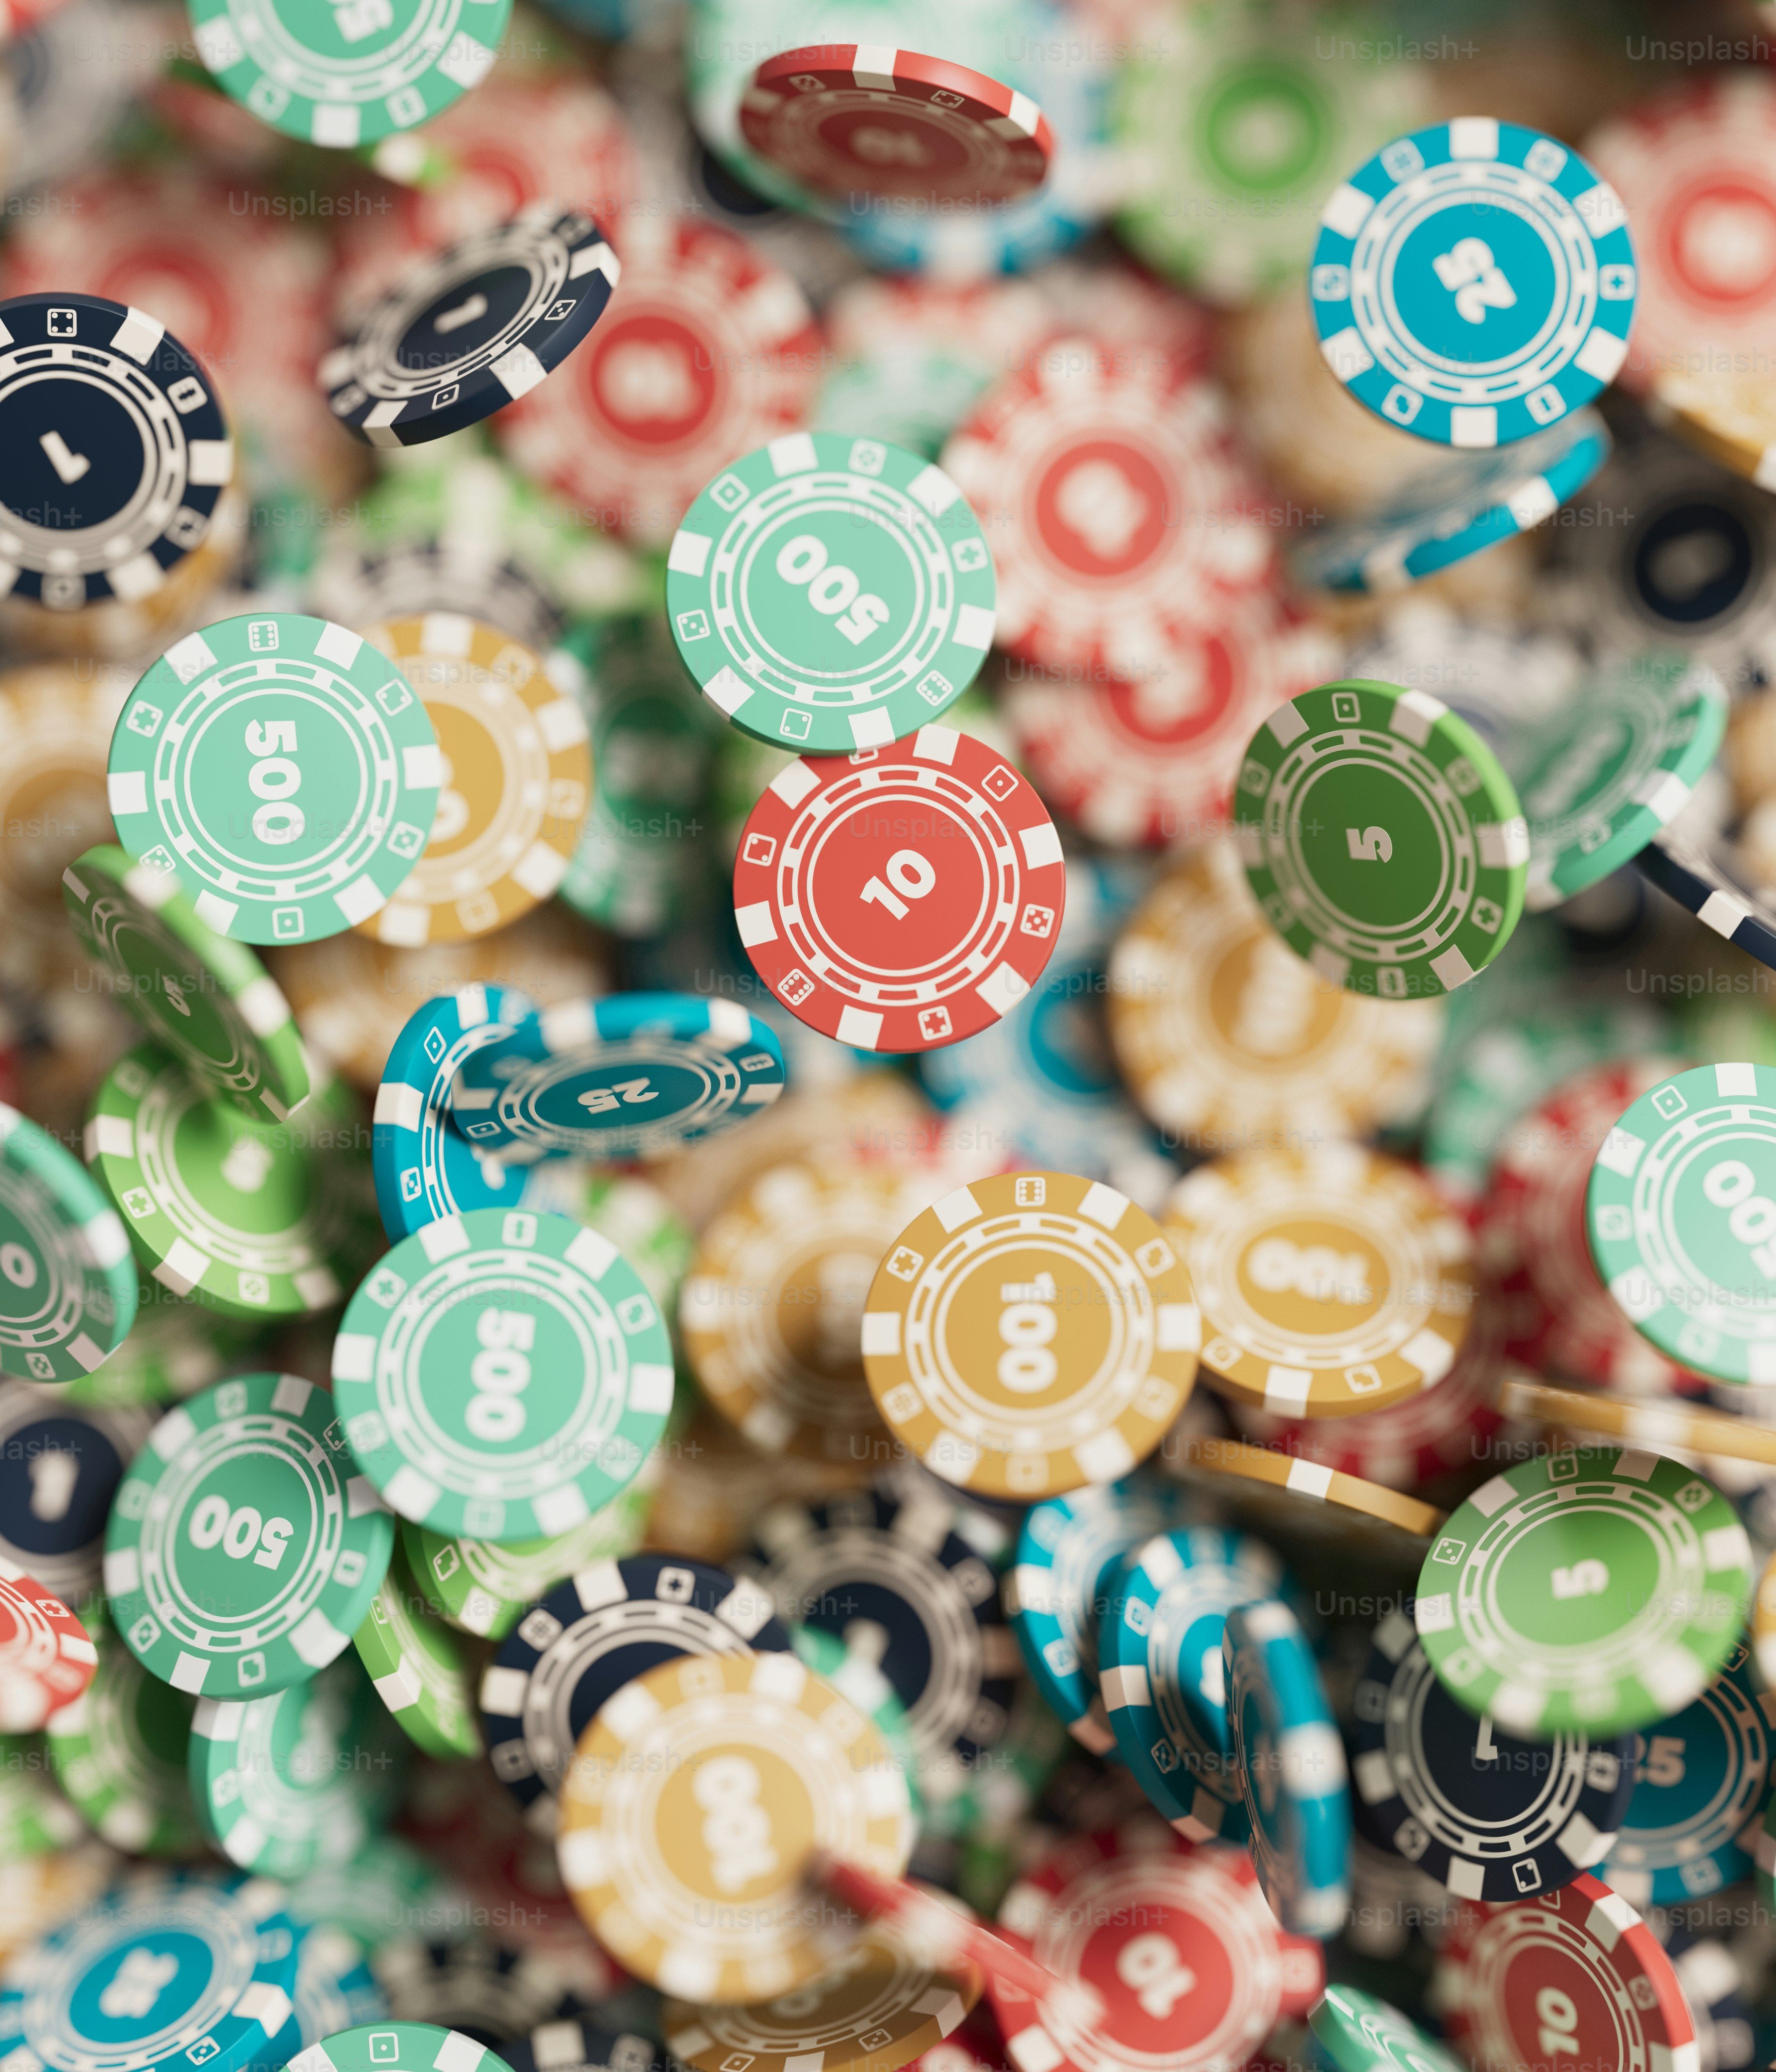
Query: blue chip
[
  {"x": 1068, "y": 1551},
  {"x": 424, "y": 1169},
  {"x": 59, "y": 1468},
  {"x": 589, "y": 1637},
  {"x": 174, "y": 1970},
  {"x": 1290, "y": 1763},
  {"x": 1474, "y": 282},
  {"x": 628, "y": 1076}
]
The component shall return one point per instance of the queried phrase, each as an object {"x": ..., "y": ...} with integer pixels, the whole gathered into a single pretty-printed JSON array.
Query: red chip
[
  {"x": 862, "y": 119},
  {"x": 1574, "y": 1977},
  {"x": 709, "y": 349},
  {"x": 1177, "y": 1940},
  {"x": 47, "y": 1656},
  {"x": 902, "y": 897},
  {"x": 1118, "y": 512}
]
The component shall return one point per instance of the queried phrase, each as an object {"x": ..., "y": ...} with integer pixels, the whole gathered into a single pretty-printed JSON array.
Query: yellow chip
[
  {"x": 517, "y": 779},
  {"x": 1330, "y": 1281},
  {"x": 880, "y": 2006},
  {"x": 1763, "y": 1624},
  {"x": 1308, "y": 1509},
  {"x": 1030, "y": 1333},
  {"x": 772, "y": 1311},
  {"x": 1672, "y": 1426},
  {"x": 1730, "y": 417},
  {"x": 1228, "y": 1040},
  {"x": 696, "y": 1801}
]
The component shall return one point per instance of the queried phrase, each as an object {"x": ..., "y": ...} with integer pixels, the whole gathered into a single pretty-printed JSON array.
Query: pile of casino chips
[{"x": 888, "y": 1174}]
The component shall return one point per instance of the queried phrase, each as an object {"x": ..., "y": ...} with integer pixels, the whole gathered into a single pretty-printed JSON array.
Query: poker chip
[
  {"x": 47, "y": 1656},
  {"x": 1511, "y": 282},
  {"x": 1675, "y": 1227},
  {"x": 420, "y": 1669},
  {"x": 59, "y": 1469},
  {"x": 881, "y": 2005},
  {"x": 1463, "y": 503},
  {"x": 753, "y": 573},
  {"x": 1713, "y": 883},
  {"x": 254, "y": 1219},
  {"x": 1486, "y": 1815},
  {"x": 259, "y": 863},
  {"x": 1061, "y": 1588},
  {"x": 1530, "y": 1606},
  {"x": 120, "y": 1751},
  {"x": 935, "y": 943},
  {"x": 1225, "y": 1039},
  {"x": 586, "y": 1639},
  {"x": 1330, "y": 1281},
  {"x": 1672, "y": 1427},
  {"x": 1726, "y": 416},
  {"x": 911, "y": 1583},
  {"x": 229, "y": 1997},
  {"x": 406, "y": 2046},
  {"x": 857, "y": 1677},
  {"x": 68, "y": 1297},
  {"x": 501, "y": 1373},
  {"x": 480, "y": 1990},
  {"x": 1305, "y": 1507},
  {"x": 1290, "y": 1764},
  {"x": 1512, "y": 1980},
  {"x": 564, "y": 2045},
  {"x": 1030, "y": 1333},
  {"x": 1354, "y": 2031},
  {"x": 771, "y": 1312},
  {"x": 671, "y": 1761},
  {"x": 1121, "y": 516},
  {"x": 198, "y": 1614},
  {"x": 1413, "y": 790},
  {"x": 283, "y": 1782},
  {"x": 344, "y": 85},
  {"x": 1160, "y": 1661},
  {"x": 210, "y": 1000},
  {"x": 851, "y": 118},
  {"x": 119, "y": 452},
  {"x": 516, "y": 779},
  {"x": 561, "y": 1079},
  {"x": 1188, "y": 1961}
]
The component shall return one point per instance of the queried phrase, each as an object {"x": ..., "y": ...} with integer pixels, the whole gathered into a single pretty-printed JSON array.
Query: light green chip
[
  {"x": 420, "y": 1668},
  {"x": 68, "y": 1294},
  {"x": 398, "y": 2046},
  {"x": 120, "y": 1751},
  {"x": 1354, "y": 2031}
]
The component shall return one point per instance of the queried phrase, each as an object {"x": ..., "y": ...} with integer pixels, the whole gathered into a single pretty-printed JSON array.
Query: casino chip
[
  {"x": 1537, "y": 1603},
  {"x": 47, "y": 1656},
  {"x": 1189, "y": 1961},
  {"x": 754, "y": 571},
  {"x": 676, "y": 1768},
  {"x": 304, "y": 1776},
  {"x": 210, "y": 1000},
  {"x": 1510, "y": 282},
  {"x": 856, "y": 1676},
  {"x": 711, "y": 351},
  {"x": 422, "y": 1672},
  {"x": 1359, "y": 773},
  {"x": 1080, "y": 462},
  {"x": 1715, "y": 884},
  {"x": 220, "y": 1954},
  {"x": 1354, "y": 2031},
  {"x": 845, "y": 119},
  {"x": 59, "y": 1469},
  {"x": 254, "y": 1219},
  {"x": 344, "y": 82},
  {"x": 115, "y": 450},
  {"x": 120, "y": 1753},
  {"x": 561, "y": 1079},
  {"x": 68, "y": 1295},
  {"x": 515, "y": 777},
  {"x": 1062, "y": 1585},
  {"x": 588, "y": 1637},
  {"x": 1290, "y": 1763},
  {"x": 484, "y": 1991},
  {"x": 880, "y": 2006},
  {"x": 260, "y": 863},
  {"x": 501, "y": 1373},
  {"x": 1528, "y": 1983},
  {"x": 1226, "y": 1039},
  {"x": 770, "y": 1314},
  {"x": 398, "y": 2046},
  {"x": 1307, "y": 1510},
  {"x": 1460, "y": 504},
  {"x": 1673, "y": 1426},
  {"x": 960, "y": 1362},
  {"x": 1679, "y": 1226},
  {"x": 1331, "y": 1281},
  {"x": 954, "y": 889},
  {"x": 259, "y": 1466},
  {"x": 472, "y": 327},
  {"x": 911, "y": 1583},
  {"x": 579, "y": 2041},
  {"x": 1729, "y": 416},
  {"x": 1488, "y": 1816},
  {"x": 1159, "y": 1651}
]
